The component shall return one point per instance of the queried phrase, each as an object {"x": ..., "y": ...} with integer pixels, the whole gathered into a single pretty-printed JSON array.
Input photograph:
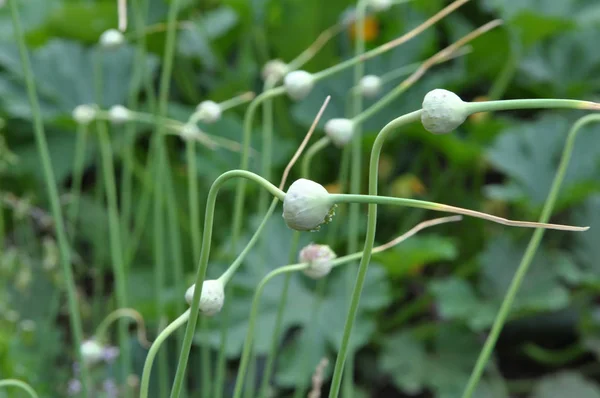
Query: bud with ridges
[
  {"x": 370, "y": 86},
  {"x": 320, "y": 258},
  {"x": 274, "y": 69},
  {"x": 443, "y": 111},
  {"x": 339, "y": 130},
  {"x": 84, "y": 114},
  {"x": 111, "y": 38},
  {"x": 212, "y": 297},
  {"x": 118, "y": 114},
  {"x": 298, "y": 84},
  {"x": 209, "y": 111},
  {"x": 380, "y": 5},
  {"x": 306, "y": 206}
]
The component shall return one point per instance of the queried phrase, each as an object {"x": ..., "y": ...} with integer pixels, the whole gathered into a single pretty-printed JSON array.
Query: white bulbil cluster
[
  {"x": 274, "y": 69},
  {"x": 212, "y": 297},
  {"x": 443, "y": 111},
  {"x": 93, "y": 352},
  {"x": 118, "y": 114},
  {"x": 298, "y": 84},
  {"x": 111, "y": 38},
  {"x": 370, "y": 86},
  {"x": 209, "y": 111},
  {"x": 84, "y": 114},
  {"x": 320, "y": 258},
  {"x": 339, "y": 131},
  {"x": 307, "y": 206}
]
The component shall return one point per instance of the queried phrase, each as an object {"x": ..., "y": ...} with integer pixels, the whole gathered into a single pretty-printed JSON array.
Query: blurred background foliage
[{"x": 427, "y": 303}]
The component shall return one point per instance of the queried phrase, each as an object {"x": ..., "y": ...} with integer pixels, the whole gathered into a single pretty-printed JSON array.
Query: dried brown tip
[
  {"x": 588, "y": 105},
  {"x": 318, "y": 378}
]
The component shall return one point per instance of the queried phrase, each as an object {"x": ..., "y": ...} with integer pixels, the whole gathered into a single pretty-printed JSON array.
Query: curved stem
[
  {"x": 544, "y": 103},
  {"x": 421, "y": 204},
  {"x": 42, "y": 145},
  {"x": 203, "y": 262},
  {"x": 240, "y": 193},
  {"x": 145, "y": 383},
  {"x": 536, "y": 238},
  {"x": 102, "y": 329},
  {"x": 312, "y": 150},
  {"x": 19, "y": 384}
]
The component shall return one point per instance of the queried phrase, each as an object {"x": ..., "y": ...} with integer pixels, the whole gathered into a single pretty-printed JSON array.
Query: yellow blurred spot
[
  {"x": 370, "y": 29},
  {"x": 334, "y": 187},
  {"x": 386, "y": 166},
  {"x": 480, "y": 116},
  {"x": 407, "y": 186}
]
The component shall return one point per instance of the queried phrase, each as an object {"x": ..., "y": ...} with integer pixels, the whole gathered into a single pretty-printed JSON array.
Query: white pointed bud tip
[
  {"x": 298, "y": 84},
  {"x": 118, "y": 114},
  {"x": 339, "y": 130},
  {"x": 320, "y": 258},
  {"x": 209, "y": 111},
  {"x": 111, "y": 38},
  {"x": 370, "y": 86},
  {"x": 211, "y": 298},
  {"x": 275, "y": 69},
  {"x": 307, "y": 206},
  {"x": 84, "y": 114},
  {"x": 443, "y": 111}
]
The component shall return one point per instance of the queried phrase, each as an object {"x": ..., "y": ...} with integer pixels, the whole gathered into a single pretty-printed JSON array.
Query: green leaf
[
  {"x": 587, "y": 249},
  {"x": 565, "y": 384},
  {"x": 529, "y": 153}
]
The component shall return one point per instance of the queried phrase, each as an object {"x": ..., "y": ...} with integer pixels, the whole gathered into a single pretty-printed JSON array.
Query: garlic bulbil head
[
  {"x": 320, "y": 258},
  {"x": 298, "y": 84},
  {"x": 380, "y": 5},
  {"x": 274, "y": 69},
  {"x": 370, "y": 86},
  {"x": 111, "y": 38},
  {"x": 443, "y": 111},
  {"x": 92, "y": 352},
  {"x": 190, "y": 132},
  {"x": 212, "y": 297},
  {"x": 84, "y": 114},
  {"x": 209, "y": 111},
  {"x": 339, "y": 130},
  {"x": 307, "y": 206},
  {"x": 118, "y": 114}
]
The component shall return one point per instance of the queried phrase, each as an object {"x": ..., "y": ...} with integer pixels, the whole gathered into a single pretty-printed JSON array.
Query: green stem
[
  {"x": 222, "y": 358},
  {"x": 536, "y": 238},
  {"x": 544, "y": 103},
  {"x": 240, "y": 193},
  {"x": 78, "y": 166},
  {"x": 278, "y": 321},
  {"x": 102, "y": 329},
  {"x": 19, "y": 384},
  {"x": 42, "y": 145},
  {"x": 116, "y": 251},
  {"x": 203, "y": 262},
  {"x": 312, "y": 150},
  {"x": 267, "y": 138},
  {"x": 554, "y": 357},
  {"x": 145, "y": 383}
]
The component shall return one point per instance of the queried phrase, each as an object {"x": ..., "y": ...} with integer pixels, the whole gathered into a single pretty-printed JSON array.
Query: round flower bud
[
  {"x": 443, "y": 111},
  {"x": 118, "y": 114},
  {"x": 320, "y": 258},
  {"x": 84, "y": 114},
  {"x": 339, "y": 130},
  {"x": 307, "y": 206},
  {"x": 275, "y": 69},
  {"x": 212, "y": 297},
  {"x": 380, "y": 5},
  {"x": 190, "y": 132},
  {"x": 209, "y": 111},
  {"x": 298, "y": 84},
  {"x": 370, "y": 85},
  {"x": 92, "y": 352},
  {"x": 111, "y": 38}
]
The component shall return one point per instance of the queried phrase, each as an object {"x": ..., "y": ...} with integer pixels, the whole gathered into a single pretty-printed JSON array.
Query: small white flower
[
  {"x": 209, "y": 111},
  {"x": 275, "y": 69},
  {"x": 298, "y": 84},
  {"x": 307, "y": 206},
  {"x": 443, "y": 111},
  {"x": 92, "y": 352},
  {"x": 84, "y": 114},
  {"x": 370, "y": 86},
  {"x": 339, "y": 130},
  {"x": 111, "y": 38},
  {"x": 212, "y": 297},
  {"x": 380, "y": 5},
  {"x": 320, "y": 258},
  {"x": 118, "y": 114}
]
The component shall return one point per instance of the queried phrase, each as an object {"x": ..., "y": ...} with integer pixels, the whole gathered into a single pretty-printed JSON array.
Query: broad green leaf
[
  {"x": 566, "y": 384},
  {"x": 587, "y": 249}
]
